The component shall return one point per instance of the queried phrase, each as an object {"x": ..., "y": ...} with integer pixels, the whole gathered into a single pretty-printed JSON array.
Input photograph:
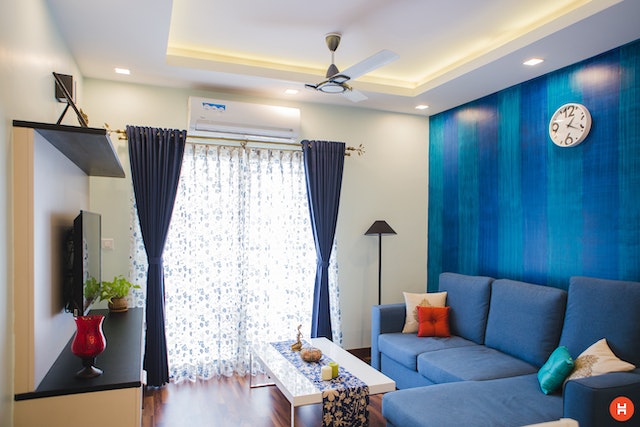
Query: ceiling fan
[{"x": 336, "y": 82}]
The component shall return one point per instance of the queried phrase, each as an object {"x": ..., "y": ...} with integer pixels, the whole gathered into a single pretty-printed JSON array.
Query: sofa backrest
[
  {"x": 599, "y": 308},
  {"x": 525, "y": 320},
  {"x": 468, "y": 297}
]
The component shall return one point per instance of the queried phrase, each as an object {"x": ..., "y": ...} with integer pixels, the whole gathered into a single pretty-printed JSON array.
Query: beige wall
[
  {"x": 389, "y": 182},
  {"x": 30, "y": 49}
]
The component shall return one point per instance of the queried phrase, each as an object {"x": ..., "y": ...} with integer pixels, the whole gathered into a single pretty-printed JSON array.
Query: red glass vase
[{"x": 88, "y": 343}]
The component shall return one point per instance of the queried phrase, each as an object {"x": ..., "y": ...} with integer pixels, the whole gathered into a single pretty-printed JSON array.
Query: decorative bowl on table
[{"x": 310, "y": 354}]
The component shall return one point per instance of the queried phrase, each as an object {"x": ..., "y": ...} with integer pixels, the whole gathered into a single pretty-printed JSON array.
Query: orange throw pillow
[{"x": 433, "y": 322}]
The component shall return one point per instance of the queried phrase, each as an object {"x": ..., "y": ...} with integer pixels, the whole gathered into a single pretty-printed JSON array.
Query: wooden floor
[{"x": 229, "y": 402}]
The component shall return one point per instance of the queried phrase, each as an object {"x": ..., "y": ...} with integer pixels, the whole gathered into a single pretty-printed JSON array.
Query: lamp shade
[{"x": 379, "y": 227}]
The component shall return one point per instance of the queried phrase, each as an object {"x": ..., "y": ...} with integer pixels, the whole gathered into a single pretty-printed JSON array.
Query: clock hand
[{"x": 569, "y": 124}]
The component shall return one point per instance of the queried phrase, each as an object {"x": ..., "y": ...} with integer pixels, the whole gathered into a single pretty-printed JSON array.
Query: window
[{"x": 239, "y": 259}]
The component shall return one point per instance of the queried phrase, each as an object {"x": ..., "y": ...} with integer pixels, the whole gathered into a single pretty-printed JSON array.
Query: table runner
[{"x": 345, "y": 399}]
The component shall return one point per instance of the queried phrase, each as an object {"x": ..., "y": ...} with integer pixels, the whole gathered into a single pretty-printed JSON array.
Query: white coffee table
[{"x": 298, "y": 389}]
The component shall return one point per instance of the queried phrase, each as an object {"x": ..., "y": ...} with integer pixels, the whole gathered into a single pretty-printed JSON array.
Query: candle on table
[
  {"x": 326, "y": 373},
  {"x": 334, "y": 369}
]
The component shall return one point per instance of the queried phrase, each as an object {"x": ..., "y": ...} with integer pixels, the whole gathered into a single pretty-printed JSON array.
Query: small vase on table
[{"x": 88, "y": 343}]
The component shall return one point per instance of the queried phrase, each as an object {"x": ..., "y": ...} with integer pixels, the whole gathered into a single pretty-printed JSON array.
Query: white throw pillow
[
  {"x": 598, "y": 359},
  {"x": 431, "y": 299}
]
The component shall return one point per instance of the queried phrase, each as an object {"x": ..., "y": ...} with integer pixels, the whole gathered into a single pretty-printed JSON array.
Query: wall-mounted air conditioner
[{"x": 242, "y": 121}]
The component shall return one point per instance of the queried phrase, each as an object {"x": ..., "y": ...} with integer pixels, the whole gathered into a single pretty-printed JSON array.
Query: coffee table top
[{"x": 299, "y": 390}]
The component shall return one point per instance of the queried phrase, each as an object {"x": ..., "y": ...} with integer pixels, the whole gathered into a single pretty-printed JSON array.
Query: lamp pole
[{"x": 379, "y": 268}]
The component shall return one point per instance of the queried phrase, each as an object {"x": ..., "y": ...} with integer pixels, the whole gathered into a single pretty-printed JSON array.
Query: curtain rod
[{"x": 122, "y": 135}]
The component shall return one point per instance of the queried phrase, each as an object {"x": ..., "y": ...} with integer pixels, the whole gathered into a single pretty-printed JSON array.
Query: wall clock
[{"x": 570, "y": 125}]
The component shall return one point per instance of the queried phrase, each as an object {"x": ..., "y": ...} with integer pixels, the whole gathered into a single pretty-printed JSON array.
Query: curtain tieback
[
  {"x": 323, "y": 264},
  {"x": 155, "y": 260}
]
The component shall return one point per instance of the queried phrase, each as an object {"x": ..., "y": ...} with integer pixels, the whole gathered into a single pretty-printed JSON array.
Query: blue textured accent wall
[{"x": 504, "y": 201}]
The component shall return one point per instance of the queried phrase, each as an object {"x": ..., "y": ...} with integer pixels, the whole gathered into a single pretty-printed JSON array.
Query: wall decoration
[{"x": 570, "y": 125}]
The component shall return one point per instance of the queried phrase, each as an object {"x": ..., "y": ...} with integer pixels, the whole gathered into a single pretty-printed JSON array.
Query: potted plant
[{"x": 116, "y": 292}]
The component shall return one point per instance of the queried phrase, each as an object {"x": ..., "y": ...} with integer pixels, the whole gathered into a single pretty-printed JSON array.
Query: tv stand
[{"x": 111, "y": 399}]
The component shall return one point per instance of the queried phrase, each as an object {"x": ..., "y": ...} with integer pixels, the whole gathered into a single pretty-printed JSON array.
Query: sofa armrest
[
  {"x": 587, "y": 400},
  {"x": 385, "y": 319}
]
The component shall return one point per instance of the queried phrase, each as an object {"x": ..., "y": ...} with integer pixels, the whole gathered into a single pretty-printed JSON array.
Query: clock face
[{"x": 569, "y": 125}]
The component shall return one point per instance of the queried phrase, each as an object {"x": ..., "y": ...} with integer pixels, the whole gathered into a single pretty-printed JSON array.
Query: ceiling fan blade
[
  {"x": 354, "y": 95},
  {"x": 369, "y": 64}
]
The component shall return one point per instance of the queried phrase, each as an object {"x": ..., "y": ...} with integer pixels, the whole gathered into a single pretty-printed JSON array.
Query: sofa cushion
[
  {"x": 403, "y": 376},
  {"x": 598, "y": 359},
  {"x": 587, "y": 321},
  {"x": 555, "y": 370},
  {"x": 525, "y": 320},
  {"x": 405, "y": 348},
  {"x": 475, "y": 363},
  {"x": 413, "y": 301},
  {"x": 514, "y": 401},
  {"x": 468, "y": 297},
  {"x": 434, "y": 322}
]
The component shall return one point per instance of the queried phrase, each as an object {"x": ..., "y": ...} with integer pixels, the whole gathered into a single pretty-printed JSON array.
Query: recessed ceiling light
[
  {"x": 291, "y": 91},
  {"x": 533, "y": 61},
  {"x": 124, "y": 71},
  {"x": 422, "y": 107}
]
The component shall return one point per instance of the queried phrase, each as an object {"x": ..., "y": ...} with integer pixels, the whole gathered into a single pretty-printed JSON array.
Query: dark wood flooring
[{"x": 229, "y": 402}]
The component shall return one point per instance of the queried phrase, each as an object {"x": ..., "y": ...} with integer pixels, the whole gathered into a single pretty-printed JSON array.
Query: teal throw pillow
[{"x": 553, "y": 373}]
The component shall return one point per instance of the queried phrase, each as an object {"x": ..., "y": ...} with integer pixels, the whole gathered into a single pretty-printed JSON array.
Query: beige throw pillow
[
  {"x": 432, "y": 299},
  {"x": 598, "y": 359}
]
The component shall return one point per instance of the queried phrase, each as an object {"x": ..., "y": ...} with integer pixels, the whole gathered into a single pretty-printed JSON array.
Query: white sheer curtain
[{"x": 239, "y": 259}]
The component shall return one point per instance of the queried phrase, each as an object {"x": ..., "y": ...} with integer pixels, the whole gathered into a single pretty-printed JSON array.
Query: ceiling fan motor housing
[{"x": 333, "y": 41}]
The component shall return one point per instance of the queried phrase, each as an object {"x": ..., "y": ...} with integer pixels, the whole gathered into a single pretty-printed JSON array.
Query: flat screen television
[{"x": 83, "y": 263}]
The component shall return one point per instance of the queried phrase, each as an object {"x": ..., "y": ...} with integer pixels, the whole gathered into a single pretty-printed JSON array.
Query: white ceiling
[{"x": 451, "y": 51}]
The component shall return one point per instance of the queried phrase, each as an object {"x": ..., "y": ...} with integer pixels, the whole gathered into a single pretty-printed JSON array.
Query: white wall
[{"x": 388, "y": 182}]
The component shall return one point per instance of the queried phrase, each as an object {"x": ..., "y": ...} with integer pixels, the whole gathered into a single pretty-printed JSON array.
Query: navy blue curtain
[
  {"x": 323, "y": 166},
  {"x": 156, "y": 159}
]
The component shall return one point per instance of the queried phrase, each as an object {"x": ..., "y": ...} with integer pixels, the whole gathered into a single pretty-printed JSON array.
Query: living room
[{"x": 389, "y": 181}]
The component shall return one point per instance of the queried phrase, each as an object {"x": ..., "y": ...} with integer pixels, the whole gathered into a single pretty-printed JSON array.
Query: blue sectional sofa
[{"x": 502, "y": 332}]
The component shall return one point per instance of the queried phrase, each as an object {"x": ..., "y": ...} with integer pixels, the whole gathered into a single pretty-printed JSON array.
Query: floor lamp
[{"x": 379, "y": 228}]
